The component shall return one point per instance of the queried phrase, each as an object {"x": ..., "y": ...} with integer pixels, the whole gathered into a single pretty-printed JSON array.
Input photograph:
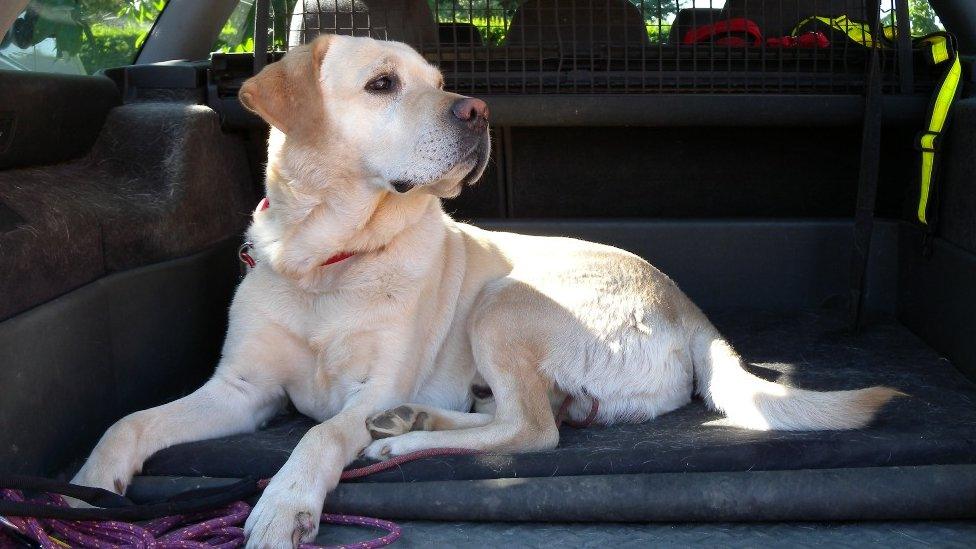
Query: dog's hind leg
[
  {"x": 509, "y": 349},
  {"x": 419, "y": 417}
]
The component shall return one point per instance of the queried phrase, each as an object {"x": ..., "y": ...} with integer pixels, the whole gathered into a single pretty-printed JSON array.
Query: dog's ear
[
  {"x": 285, "y": 92},
  {"x": 265, "y": 94}
]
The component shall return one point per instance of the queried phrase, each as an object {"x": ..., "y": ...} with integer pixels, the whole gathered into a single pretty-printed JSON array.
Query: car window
[
  {"x": 921, "y": 16},
  {"x": 237, "y": 35},
  {"x": 492, "y": 18},
  {"x": 77, "y": 36}
]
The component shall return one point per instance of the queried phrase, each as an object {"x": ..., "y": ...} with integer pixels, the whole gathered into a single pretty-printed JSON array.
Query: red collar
[
  {"x": 244, "y": 251},
  {"x": 341, "y": 256}
]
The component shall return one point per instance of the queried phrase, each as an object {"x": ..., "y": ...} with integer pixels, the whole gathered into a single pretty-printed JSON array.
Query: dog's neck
[{"x": 301, "y": 230}]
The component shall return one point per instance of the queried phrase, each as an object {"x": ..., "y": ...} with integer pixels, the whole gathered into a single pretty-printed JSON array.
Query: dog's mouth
[
  {"x": 402, "y": 186},
  {"x": 480, "y": 154},
  {"x": 477, "y": 157}
]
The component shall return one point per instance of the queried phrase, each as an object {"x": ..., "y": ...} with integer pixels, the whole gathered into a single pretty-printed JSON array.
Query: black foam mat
[{"x": 936, "y": 424}]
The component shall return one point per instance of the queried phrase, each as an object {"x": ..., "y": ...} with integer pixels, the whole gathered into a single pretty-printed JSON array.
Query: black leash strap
[{"x": 111, "y": 506}]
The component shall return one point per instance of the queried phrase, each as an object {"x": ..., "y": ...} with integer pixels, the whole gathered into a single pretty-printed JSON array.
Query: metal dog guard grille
[{"x": 525, "y": 47}]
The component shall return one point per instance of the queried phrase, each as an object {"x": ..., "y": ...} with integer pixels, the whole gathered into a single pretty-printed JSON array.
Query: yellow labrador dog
[{"x": 367, "y": 297}]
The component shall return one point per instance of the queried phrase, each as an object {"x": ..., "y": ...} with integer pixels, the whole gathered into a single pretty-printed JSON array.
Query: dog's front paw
[
  {"x": 285, "y": 516},
  {"x": 398, "y": 421},
  {"x": 113, "y": 463},
  {"x": 106, "y": 474}
]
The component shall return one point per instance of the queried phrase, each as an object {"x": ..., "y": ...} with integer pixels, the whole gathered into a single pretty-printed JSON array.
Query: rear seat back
[
  {"x": 409, "y": 21},
  {"x": 162, "y": 181},
  {"x": 577, "y": 24},
  {"x": 47, "y": 118}
]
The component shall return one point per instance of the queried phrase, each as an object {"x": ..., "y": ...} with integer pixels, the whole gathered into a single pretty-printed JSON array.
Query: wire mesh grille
[{"x": 628, "y": 46}]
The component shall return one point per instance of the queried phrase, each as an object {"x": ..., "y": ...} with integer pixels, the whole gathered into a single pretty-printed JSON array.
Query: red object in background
[
  {"x": 806, "y": 40},
  {"x": 723, "y": 33},
  {"x": 740, "y": 32}
]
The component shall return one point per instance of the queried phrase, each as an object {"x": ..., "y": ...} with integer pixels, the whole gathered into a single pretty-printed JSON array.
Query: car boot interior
[{"x": 736, "y": 171}]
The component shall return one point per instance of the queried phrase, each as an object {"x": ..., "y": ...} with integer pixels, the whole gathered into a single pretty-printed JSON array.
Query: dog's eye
[{"x": 381, "y": 84}]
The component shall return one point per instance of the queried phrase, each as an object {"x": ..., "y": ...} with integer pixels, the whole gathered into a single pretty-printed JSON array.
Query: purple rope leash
[
  {"x": 215, "y": 529},
  {"x": 211, "y": 529}
]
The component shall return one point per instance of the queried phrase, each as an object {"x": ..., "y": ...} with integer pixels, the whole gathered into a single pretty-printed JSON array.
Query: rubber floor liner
[{"x": 935, "y": 425}]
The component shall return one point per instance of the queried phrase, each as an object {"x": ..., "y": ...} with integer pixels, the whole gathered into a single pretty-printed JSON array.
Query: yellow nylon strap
[
  {"x": 939, "y": 50},
  {"x": 858, "y": 32},
  {"x": 941, "y": 104}
]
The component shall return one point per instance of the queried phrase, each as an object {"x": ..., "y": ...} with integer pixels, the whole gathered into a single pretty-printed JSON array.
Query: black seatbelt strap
[{"x": 867, "y": 188}]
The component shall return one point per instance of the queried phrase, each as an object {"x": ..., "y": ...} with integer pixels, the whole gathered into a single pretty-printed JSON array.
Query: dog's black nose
[{"x": 472, "y": 111}]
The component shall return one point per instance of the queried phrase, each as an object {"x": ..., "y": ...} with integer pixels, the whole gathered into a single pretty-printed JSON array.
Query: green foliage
[
  {"x": 923, "y": 18},
  {"x": 108, "y": 33},
  {"x": 492, "y": 27},
  {"x": 102, "y": 33},
  {"x": 490, "y": 17},
  {"x": 237, "y": 35},
  {"x": 143, "y": 12},
  {"x": 236, "y": 38},
  {"x": 111, "y": 47}
]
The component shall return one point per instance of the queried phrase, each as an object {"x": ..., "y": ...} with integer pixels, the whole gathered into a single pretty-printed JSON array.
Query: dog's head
[{"x": 369, "y": 110}]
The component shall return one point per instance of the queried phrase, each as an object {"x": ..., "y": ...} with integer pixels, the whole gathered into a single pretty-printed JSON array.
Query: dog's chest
[
  {"x": 354, "y": 340},
  {"x": 339, "y": 369},
  {"x": 346, "y": 362},
  {"x": 323, "y": 394}
]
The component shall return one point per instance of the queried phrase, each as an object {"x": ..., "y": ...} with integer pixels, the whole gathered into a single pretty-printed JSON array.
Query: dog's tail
[{"x": 754, "y": 403}]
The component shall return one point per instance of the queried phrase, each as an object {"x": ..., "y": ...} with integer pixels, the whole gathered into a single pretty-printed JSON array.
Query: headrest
[{"x": 579, "y": 23}]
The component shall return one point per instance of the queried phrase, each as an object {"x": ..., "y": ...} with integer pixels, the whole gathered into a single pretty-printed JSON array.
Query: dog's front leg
[
  {"x": 224, "y": 405},
  {"x": 288, "y": 512}
]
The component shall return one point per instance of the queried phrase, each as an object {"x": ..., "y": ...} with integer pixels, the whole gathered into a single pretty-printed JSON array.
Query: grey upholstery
[
  {"x": 51, "y": 248},
  {"x": 161, "y": 181},
  {"x": 955, "y": 185},
  {"x": 577, "y": 24},
  {"x": 409, "y": 21}
]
